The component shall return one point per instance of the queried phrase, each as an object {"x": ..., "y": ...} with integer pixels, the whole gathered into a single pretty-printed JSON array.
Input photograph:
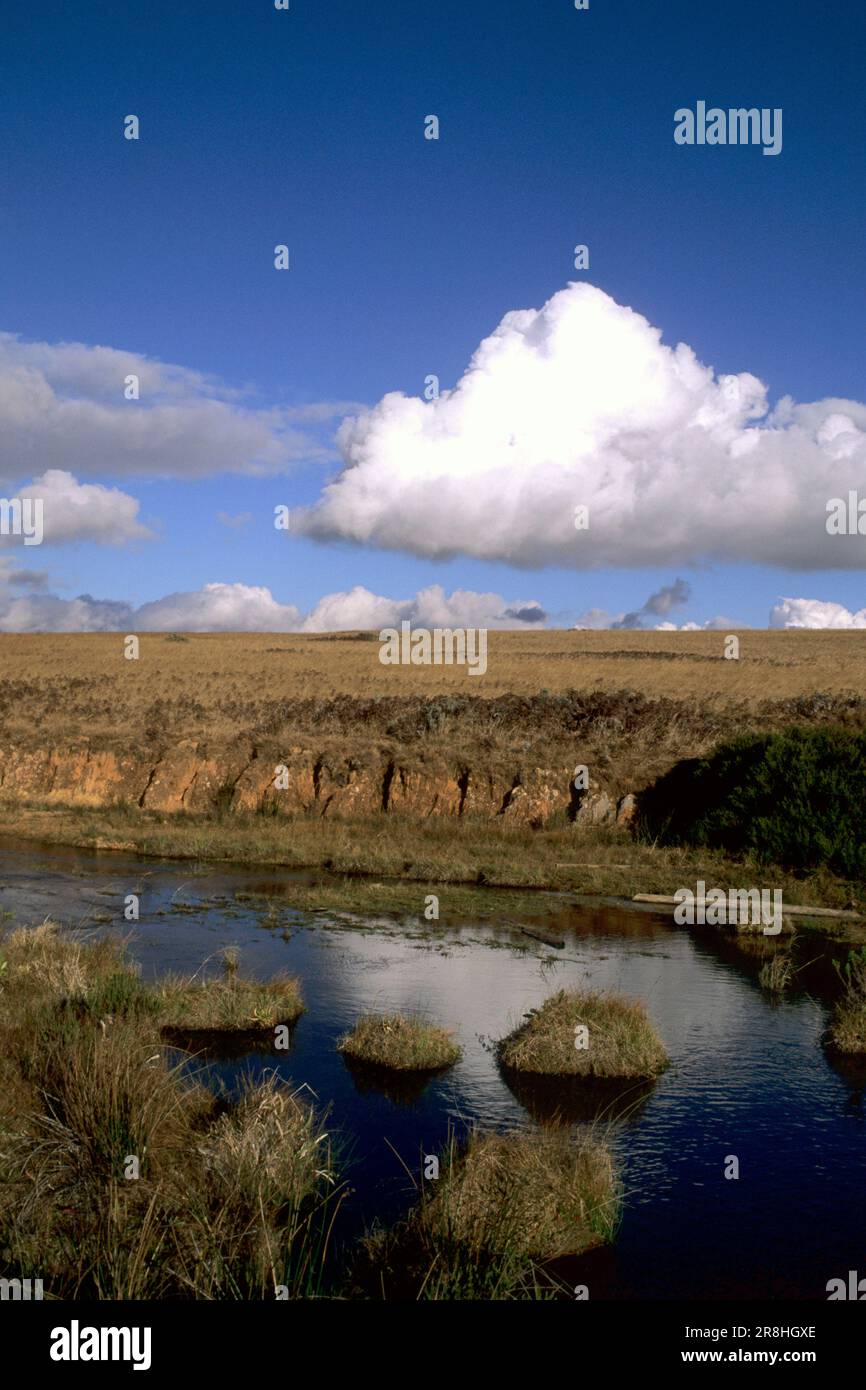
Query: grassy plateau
[{"x": 422, "y": 775}]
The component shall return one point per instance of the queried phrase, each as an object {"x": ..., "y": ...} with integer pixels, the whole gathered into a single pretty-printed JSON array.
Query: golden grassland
[
  {"x": 212, "y": 684},
  {"x": 627, "y": 704}
]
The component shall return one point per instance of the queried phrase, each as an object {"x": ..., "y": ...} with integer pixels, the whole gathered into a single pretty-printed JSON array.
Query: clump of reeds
[
  {"x": 847, "y": 1031},
  {"x": 502, "y": 1206},
  {"x": 777, "y": 973},
  {"x": 121, "y": 1176},
  {"x": 586, "y": 1034},
  {"x": 400, "y": 1043},
  {"x": 233, "y": 1004},
  {"x": 265, "y": 1177}
]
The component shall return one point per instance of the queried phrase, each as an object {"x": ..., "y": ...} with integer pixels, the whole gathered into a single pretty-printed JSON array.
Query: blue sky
[{"x": 306, "y": 128}]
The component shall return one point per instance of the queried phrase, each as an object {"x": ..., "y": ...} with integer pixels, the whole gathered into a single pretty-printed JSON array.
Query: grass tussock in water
[
  {"x": 847, "y": 1031},
  {"x": 502, "y": 1207},
  {"x": 121, "y": 1177},
  {"x": 400, "y": 1043},
  {"x": 260, "y": 1214},
  {"x": 586, "y": 1034},
  {"x": 233, "y": 1004},
  {"x": 777, "y": 973}
]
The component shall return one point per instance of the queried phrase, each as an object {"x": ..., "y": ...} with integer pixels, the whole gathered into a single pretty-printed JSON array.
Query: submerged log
[
  {"x": 538, "y": 934},
  {"x": 669, "y": 900}
]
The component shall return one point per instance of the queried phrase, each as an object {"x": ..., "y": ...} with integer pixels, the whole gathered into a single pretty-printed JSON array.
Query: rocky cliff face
[{"x": 296, "y": 779}]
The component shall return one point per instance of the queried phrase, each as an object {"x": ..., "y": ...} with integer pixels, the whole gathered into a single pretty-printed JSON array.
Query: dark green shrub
[{"x": 794, "y": 798}]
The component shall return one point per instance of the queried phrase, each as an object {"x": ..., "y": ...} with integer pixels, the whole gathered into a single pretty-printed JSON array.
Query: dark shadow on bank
[{"x": 227, "y": 1044}]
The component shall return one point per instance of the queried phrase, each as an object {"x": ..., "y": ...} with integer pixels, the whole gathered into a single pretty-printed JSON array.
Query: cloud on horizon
[
  {"x": 815, "y": 613},
  {"x": 237, "y": 607},
  {"x": 580, "y": 403},
  {"x": 658, "y": 605}
]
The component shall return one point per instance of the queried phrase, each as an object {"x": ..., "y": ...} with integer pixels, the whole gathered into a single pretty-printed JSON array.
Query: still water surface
[{"x": 748, "y": 1077}]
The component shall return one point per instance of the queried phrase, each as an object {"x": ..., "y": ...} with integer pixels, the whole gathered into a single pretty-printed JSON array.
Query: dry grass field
[
  {"x": 213, "y": 684},
  {"x": 426, "y": 773}
]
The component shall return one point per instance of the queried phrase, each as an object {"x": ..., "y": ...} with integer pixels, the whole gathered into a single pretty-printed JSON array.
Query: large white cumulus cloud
[{"x": 582, "y": 404}]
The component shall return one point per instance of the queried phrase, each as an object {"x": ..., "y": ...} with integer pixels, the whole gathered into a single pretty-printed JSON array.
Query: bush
[{"x": 794, "y": 798}]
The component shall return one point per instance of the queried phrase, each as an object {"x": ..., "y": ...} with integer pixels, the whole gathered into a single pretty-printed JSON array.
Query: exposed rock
[
  {"x": 347, "y": 786},
  {"x": 241, "y": 777},
  {"x": 488, "y": 792},
  {"x": 174, "y": 779},
  {"x": 424, "y": 791},
  {"x": 537, "y": 797},
  {"x": 596, "y": 808}
]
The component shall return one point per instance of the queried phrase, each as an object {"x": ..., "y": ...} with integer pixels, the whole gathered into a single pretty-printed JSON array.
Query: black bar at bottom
[{"x": 267, "y": 1339}]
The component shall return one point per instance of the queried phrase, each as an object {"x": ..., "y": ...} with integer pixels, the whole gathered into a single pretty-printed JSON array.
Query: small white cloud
[
  {"x": 596, "y": 620},
  {"x": 74, "y": 511},
  {"x": 814, "y": 613}
]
